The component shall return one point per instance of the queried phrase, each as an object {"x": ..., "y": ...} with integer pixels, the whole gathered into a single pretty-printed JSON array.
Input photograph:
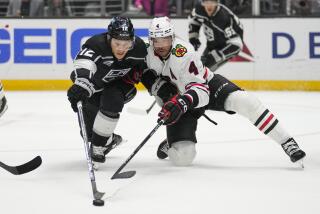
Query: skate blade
[
  {"x": 300, "y": 163},
  {"x": 95, "y": 165},
  {"x": 123, "y": 141}
]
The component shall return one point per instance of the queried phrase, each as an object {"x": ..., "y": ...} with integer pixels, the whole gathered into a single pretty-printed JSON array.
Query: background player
[
  {"x": 176, "y": 64},
  {"x": 105, "y": 71},
  {"x": 222, "y": 29},
  {"x": 3, "y": 101}
]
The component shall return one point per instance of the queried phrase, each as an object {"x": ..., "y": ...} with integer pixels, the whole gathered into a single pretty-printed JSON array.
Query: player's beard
[{"x": 163, "y": 52}]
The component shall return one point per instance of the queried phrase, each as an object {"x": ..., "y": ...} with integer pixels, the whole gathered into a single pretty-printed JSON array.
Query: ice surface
[{"x": 237, "y": 169}]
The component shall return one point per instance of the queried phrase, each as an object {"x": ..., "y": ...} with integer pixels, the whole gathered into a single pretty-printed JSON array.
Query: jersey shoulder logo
[{"x": 179, "y": 50}]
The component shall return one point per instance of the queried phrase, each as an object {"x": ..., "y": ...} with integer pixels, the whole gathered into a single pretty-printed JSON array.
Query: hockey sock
[
  {"x": 250, "y": 107},
  {"x": 103, "y": 127}
]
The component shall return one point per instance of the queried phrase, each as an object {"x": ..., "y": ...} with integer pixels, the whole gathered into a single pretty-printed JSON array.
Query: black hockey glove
[
  {"x": 166, "y": 91},
  {"x": 134, "y": 76},
  {"x": 212, "y": 58},
  {"x": 81, "y": 90},
  {"x": 163, "y": 90},
  {"x": 174, "y": 109},
  {"x": 195, "y": 43}
]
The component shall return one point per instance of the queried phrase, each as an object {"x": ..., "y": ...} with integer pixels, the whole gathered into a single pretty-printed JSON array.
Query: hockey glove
[
  {"x": 195, "y": 43},
  {"x": 81, "y": 90},
  {"x": 163, "y": 90},
  {"x": 174, "y": 109},
  {"x": 166, "y": 91},
  {"x": 134, "y": 76},
  {"x": 212, "y": 58}
]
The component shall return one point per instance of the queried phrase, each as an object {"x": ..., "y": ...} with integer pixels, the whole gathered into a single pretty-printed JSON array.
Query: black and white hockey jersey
[
  {"x": 223, "y": 29},
  {"x": 96, "y": 62}
]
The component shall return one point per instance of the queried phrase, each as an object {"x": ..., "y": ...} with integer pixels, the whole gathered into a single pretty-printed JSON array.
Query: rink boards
[{"x": 279, "y": 53}]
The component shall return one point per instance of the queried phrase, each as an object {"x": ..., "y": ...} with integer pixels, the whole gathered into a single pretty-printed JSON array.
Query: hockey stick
[
  {"x": 129, "y": 174},
  {"x": 141, "y": 111},
  {"x": 96, "y": 194},
  {"x": 24, "y": 168},
  {"x": 209, "y": 119}
]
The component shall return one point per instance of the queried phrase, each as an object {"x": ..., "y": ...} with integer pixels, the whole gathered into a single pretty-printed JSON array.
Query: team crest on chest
[{"x": 179, "y": 50}]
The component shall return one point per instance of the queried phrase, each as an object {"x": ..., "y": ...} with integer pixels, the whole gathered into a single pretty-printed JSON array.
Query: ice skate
[
  {"x": 98, "y": 153},
  {"x": 163, "y": 148},
  {"x": 293, "y": 151}
]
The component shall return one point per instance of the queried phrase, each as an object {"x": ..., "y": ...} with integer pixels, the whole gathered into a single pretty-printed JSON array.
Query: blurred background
[
  {"x": 40, "y": 38},
  {"x": 172, "y": 8}
]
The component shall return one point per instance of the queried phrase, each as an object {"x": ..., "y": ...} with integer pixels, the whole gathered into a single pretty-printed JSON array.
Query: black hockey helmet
[{"x": 121, "y": 28}]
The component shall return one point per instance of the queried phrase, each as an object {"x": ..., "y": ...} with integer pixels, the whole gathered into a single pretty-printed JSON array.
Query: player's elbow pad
[{"x": 236, "y": 41}]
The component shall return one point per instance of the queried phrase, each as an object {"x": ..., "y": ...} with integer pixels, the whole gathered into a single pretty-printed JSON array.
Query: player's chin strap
[{"x": 208, "y": 118}]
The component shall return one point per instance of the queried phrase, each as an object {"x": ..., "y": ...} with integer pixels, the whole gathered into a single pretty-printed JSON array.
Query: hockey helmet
[
  {"x": 161, "y": 27},
  {"x": 121, "y": 28}
]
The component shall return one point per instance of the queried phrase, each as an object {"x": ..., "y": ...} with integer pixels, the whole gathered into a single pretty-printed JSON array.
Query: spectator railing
[
  {"x": 243, "y": 8},
  {"x": 96, "y": 7},
  {"x": 3, "y": 7}
]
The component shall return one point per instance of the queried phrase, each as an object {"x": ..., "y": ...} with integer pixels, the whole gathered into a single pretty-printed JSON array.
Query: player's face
[
  {"x": 210, "y": 6},
  {"x": 162, "y": 46},
  {"x": 120, "y": 47}
]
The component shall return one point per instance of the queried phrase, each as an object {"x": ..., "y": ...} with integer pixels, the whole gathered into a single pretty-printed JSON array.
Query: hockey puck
[{"x": 98, "y": 202}]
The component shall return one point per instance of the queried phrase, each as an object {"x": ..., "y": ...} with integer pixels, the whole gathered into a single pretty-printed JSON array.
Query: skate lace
[
  {"x": 290, "y": 147},
  {"x": 98, "y": 150}
]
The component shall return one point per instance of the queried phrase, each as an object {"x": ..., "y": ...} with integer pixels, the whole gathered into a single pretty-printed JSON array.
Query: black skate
[
  {"x": 163, "y": 148},
  {"x": 98, "y": 153},
  {"x": 292, "y": 149},
  {"x": 3, "y": 105}
]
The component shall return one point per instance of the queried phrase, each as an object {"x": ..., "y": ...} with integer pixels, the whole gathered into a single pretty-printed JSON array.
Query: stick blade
[
  {"x": 24, "y": 168},
  {"x": 29, "y": 166},
  {"x": 98, "y": 195},
  {"x": 124, "y": 175}
]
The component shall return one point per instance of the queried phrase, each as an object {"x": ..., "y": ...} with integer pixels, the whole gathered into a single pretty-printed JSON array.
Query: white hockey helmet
[{"x": 161, "y": 27}]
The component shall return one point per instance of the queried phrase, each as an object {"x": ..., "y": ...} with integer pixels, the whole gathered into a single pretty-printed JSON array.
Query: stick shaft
[
  {"x": 138, "y": 148},
  {"x": 96, "y": 193}
]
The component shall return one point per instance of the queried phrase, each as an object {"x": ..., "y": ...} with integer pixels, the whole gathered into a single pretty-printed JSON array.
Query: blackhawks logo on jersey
[{"x": 179, "y": 50}]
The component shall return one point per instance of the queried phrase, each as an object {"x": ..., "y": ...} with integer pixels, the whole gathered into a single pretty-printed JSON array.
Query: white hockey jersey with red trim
[{"x": 184, "y": 68}]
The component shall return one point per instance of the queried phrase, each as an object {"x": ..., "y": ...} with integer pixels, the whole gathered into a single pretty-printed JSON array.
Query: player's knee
[
  {"x": 182, "y": 153},
  {"x": 243, "y": 103}
]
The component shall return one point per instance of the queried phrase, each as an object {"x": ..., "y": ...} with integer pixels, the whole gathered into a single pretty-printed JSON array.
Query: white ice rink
[{"x": 237, "y": 170}]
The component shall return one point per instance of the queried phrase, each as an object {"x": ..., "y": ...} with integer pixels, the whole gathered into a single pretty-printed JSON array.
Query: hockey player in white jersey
[
  {"x": 179, "y": 69},
  {"x": 3, "y": 101},
  {"x": 186, "y": 88}
]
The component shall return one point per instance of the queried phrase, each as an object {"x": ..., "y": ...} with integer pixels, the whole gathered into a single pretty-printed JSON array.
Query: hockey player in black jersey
[
  {"x": 222, "y": 29},
  {"x": 105, "y": 71},
  {"x": 186, "y": 88},
  {"x": 3, "y": 101}
]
